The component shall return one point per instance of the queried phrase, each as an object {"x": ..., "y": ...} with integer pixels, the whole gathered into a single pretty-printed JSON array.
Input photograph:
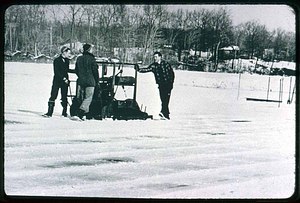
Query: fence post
[
  {"x": 268, "y": 89},
  {"x": 239, "y": 86}
]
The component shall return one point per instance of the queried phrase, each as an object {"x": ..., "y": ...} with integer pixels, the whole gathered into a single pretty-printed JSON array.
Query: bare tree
[
  {"x": 256, "y": 38},
  {"x": 221, "y": 30},
  {"x": 127, "y": 23},
  {"x": 41, "y": 28},
  {"x": 106, "y": 19},
  {"x": 36, "y": 26},
  {"x": 88, "y": 11},
  {"x": 151, "y": 21},
  {"x": 290, "y": 48},
  {"x": 73, "y": 14}
]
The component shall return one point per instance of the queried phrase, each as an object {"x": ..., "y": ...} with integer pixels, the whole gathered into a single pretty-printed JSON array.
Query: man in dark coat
[
  {"x": 164, "y": 77},
  {"x": 86, "y": 69},
  {"x": 60, "y": 81}
]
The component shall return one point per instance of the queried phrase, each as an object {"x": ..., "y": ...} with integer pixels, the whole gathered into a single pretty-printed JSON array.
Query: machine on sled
[{"x": 104, "y": 103}]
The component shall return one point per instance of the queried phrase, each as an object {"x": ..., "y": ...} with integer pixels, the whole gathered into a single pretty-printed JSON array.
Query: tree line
[{"x": 44, "y": 28}]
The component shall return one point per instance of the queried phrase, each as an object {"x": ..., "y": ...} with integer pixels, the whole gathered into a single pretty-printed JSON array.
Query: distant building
[
  {"x": 230, "y": 52},
  {"x": 168, "y": 46},
  {"x": 77, "y": 47},
  {"x": 203, "y": 54},
  {"x": 27, "y": 57},
  {"x": 42, "y": 59},
  {"x": 230, "y": 48},
  {"x": 16, "y": 56},
  {"x": 131, "y": 54},
  {"x": 268, "y": 54},
  {"x": 7, "y": 55}
]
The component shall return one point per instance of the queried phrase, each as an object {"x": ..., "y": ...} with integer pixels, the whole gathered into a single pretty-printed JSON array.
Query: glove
[
  {"x": 66, "y": 81},
  {"x": 136, "y": 67}
]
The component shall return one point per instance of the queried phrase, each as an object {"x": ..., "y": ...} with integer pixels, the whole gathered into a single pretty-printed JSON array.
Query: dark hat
[
  {"x": 86, "y": 47},
  {"x": 64, "y": 48}
]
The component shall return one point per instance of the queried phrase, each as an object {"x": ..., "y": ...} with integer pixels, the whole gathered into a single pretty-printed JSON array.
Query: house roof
[
  {"x": 41, "y": 56},
  {"x": 230, "y": 48}
]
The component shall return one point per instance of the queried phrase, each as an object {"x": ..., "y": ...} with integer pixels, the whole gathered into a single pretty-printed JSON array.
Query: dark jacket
[
  {"x": 61, "y": 69},
  {"x": 163, "y": 72},
  {"x": 86, "y": 69}
]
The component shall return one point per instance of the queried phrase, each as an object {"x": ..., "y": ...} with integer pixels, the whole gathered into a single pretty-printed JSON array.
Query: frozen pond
[{"x": 216, "y": 145}]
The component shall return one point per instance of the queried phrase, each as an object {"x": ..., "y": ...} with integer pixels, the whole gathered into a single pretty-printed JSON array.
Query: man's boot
[
  {"x": 50, "y": 109},
  {"x": 64, "y": 112},
  {"x": 80, "y": 114}
]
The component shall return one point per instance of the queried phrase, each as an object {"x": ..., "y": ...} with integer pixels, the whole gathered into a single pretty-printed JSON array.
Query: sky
[{"x": 272, "y": 16}]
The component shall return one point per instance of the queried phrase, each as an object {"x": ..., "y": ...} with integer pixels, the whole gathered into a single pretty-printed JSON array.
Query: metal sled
[{"x": 104, "y": 103}]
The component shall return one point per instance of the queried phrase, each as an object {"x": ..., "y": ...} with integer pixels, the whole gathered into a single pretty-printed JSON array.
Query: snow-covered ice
[{"x": 216, "y": 145}]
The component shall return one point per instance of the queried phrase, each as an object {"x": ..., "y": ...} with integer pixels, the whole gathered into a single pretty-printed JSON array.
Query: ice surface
[{"x": 216, "y": 145}]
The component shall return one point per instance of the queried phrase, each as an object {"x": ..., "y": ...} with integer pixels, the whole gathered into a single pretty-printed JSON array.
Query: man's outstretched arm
[{"x": 143, "y": 70}]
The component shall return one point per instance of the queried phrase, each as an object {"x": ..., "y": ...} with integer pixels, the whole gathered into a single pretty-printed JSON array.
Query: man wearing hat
[
  {"x": 86, "y": 70},
  {"x": 60, "y": 81}
]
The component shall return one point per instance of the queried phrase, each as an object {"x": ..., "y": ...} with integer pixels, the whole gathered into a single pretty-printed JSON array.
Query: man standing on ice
[
  {"x": 86, "y": 69},
  {"x": 164, "y": 77},
  {"x": 60, "y": 81}
]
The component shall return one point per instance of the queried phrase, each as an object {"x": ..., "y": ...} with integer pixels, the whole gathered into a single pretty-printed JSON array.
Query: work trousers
[
  {"x": 165, "y": 94},
  {"x": 85, "y": 94},
  {"x": 63, "y": 90}
]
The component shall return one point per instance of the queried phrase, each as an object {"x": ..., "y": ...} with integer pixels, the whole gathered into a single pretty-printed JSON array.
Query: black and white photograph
[{"x": 160, "y": 101}]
